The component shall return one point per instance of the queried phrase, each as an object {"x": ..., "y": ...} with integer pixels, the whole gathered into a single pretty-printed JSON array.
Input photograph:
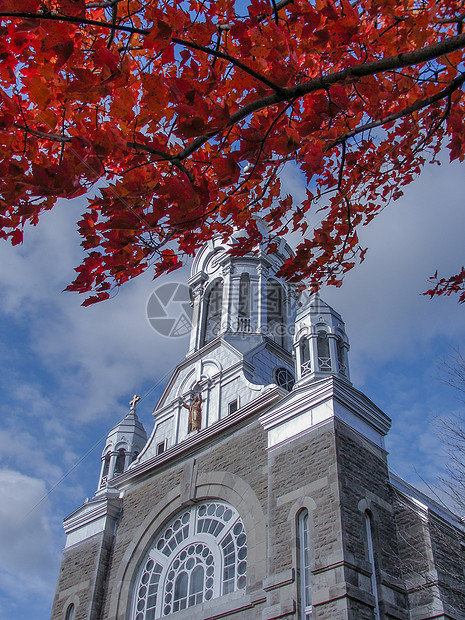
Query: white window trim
[
  {"x": 304, "y": 533},
  {"x": 213, "y": 542},
  {"x": 371, "y": 559}
]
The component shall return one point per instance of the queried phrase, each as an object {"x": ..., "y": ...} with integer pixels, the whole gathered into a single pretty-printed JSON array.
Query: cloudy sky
[{"x": 69, "y": 372}]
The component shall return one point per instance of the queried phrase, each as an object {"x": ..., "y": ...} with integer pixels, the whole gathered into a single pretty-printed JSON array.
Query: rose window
[
  {"x": 284, "y": 378},
  {"x": 200, "y": 555}
]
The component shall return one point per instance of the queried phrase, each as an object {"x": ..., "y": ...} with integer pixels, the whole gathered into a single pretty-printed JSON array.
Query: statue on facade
[{"x": 195, "y": 413}]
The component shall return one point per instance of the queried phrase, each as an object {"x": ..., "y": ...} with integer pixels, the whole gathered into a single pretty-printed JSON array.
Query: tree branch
[
  {"x": 344, "y": 76},
  {"x": 418, "y": 105},
  {"x": 172, "y": 159},
  {"x": 42, "y": 134},
  {"x": 231, "y": 59},
  {"x": 75, "y": 20}
]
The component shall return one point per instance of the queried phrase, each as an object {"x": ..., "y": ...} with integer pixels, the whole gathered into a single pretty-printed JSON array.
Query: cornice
[
  {"x": 311, "y": 395},
  {"x": 92, "y": 511}
]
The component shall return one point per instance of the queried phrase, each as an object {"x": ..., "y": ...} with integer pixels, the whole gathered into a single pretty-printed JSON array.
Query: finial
[{"x": 133, "y": 402}]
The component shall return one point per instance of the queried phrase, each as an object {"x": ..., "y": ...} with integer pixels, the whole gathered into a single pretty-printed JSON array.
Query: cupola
[
  {"x": 240, "y": 295},
  {"x": 124, "y": 443},
  {"x": 320, "y": 341}
]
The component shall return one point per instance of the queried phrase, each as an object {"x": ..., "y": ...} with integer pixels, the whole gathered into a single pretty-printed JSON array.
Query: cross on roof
[{"x": 134, "y": 401}]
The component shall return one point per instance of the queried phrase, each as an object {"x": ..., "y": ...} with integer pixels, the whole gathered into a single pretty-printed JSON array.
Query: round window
[{"x": 284, "y": 378}]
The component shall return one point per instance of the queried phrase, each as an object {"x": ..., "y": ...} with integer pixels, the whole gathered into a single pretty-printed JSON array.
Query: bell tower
[
  {"x": 240, "y": 344},
  {"x": 320, "y": 341},
  {"x": 124, "y": 443}
]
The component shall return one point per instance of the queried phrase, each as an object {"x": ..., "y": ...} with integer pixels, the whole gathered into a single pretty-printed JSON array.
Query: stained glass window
[{"x": 200, "y": 555}]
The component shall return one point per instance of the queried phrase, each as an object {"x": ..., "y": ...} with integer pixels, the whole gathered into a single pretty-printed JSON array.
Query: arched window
[
  {"x": 275, "y": 311},
  {"x": 324, "y": 356},
  {"x": 200, "y": 555},
  {"x": 305, "y": 585},
  {"x": 180, "y": 591},
  {"x": 371, "y": 559},
  {"x": 243, "y": 314},
  {"x": 305, "y": 361},
  {"x": 120, "y": 459},
  {"x": 70, "y": 612},
  {"x": 341, "y": 356},
  {"x": 106, "y": 465},
  {"x": 213, "y": 306}
]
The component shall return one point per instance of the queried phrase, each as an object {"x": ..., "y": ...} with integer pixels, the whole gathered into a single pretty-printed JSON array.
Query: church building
[{"x": 263, "y": 491}]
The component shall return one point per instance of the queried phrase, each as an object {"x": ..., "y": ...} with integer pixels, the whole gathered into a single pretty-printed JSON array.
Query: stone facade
[{"x": 309, "y": 457}]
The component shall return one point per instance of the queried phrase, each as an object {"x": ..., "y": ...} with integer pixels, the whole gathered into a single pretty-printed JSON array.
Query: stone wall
[
  {"x": 82, "y": 578},
  {"x": 364, "y": 487}
]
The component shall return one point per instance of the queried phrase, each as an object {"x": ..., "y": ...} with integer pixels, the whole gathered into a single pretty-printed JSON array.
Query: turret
[
  {"x": 124, "y": 443},
  {"x": 320, "y": 341}
]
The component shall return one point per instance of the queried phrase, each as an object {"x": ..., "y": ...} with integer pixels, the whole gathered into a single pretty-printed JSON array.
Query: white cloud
[
  {"x": 381, "y": 301},
  {"x": 29, "y": 557}
]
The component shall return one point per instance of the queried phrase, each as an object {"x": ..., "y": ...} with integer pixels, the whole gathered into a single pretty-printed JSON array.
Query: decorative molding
[
  {"x": 194, "y": 442},
  {"x": 92, "y": 517},
  {"x": 313, "y": 403}
]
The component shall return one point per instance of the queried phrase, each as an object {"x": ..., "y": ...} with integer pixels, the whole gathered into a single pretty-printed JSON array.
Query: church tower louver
[{"x": 263, "y": 490}]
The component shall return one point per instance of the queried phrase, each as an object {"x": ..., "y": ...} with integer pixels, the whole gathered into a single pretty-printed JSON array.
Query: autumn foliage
[{"x": 177, "y": 116}]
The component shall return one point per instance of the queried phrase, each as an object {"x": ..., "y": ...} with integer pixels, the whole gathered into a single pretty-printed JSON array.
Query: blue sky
[{"x": 69, "y": 372}]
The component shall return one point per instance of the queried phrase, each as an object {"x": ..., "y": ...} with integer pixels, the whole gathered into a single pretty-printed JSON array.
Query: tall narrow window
[
  {"x": 305, "y": 568},
  {"x": 196, "y": 585},
  {"x": 213, "y": 312},
  {"x": 70, "y": 612},
  {"x": 341, "y": 356},
  {"x": 243, "y": 314},
  {"x": 120, "y": 459},
  {"x": 106, "y": 467},
  {"x": 180, "y": 592},
  {"x": 305, "y": 362},
  {"x": 275, "y": 311},
  {"x": 371, "y": 559},
  {"x": 324, "y": 356}
]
